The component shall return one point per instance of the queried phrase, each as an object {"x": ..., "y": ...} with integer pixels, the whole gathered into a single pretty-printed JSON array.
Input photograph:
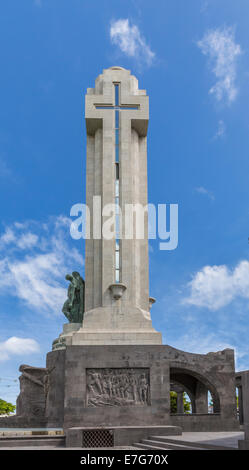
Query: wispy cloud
[
  {"x": 130, "y": 40},
  {"x": 201, "y": 342},
  {"x": 206, "y": 192},
  {"x": 23, "y": 241},
  {"x": 221, "y": 130},
  {"x": 17, "y": 346},
  {"x": 38, "y": 259},
  {"x": 220, "y": 47},
  {"x": 215, "y": 287}
]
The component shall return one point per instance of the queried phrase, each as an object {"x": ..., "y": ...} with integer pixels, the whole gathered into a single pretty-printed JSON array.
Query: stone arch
[{"x": 197, "y": 386}]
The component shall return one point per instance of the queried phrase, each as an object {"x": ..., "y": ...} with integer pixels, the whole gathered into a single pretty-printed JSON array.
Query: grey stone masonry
[{"x": 103, "y": 386}]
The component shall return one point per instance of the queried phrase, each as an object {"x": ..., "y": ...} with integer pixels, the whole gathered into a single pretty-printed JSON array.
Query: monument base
[
  {"x": 115, "y": 386},
  {"x": 101, "y": 386}
]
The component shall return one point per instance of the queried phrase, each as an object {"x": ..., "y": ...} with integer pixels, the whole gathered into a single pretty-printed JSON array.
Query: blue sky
[{"x": 192, "y": 58}]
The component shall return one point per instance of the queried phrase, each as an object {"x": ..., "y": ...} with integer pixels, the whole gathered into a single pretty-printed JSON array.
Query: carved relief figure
[
  {"x": 34, "y": 388},
  {"x": 143, "y": 388},
  {"x": 117, "y": 387}
]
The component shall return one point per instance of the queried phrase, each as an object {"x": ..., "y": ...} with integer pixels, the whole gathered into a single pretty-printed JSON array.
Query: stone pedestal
[
  {"x": 112, "y": 385},
  {"x": 117, "y": 387},
  {"x": 65, "y": 337},
  {"x": 116, "y": 325}
]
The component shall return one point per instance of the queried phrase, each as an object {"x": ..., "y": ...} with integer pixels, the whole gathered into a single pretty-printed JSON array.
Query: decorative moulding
[{"x": 117, "y": 290}]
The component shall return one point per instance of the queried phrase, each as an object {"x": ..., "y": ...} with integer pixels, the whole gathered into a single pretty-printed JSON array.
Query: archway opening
[
  {"x": 193, "y": 393},
  {"x": 239, "y": 404}
]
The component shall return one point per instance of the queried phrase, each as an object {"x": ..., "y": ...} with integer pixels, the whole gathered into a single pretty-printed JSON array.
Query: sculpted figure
[
  {"x": 95, "y": 383},
  {"x": 32, "y": 400},
  {"x": 25, "y": 370},
  {"x": 143, "y": 388},
  {"x": 74, "y": 306}
]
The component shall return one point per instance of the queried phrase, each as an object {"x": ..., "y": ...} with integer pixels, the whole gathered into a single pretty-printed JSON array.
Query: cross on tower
[
  {"x": 117, "y": 105},
  {"x": 117, "y": 171}
]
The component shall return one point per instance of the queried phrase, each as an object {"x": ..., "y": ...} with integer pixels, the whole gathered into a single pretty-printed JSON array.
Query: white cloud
[
  {"x": 215, "y": 287},
  {"x": 36, "y": 280},
  {"x": 35, "y": 272},
  {"x": 19, "y": 346},
  {"x": 27, "y": 240},
  {"x": 206, "y": 192},
  {"x": 219, "y": 45},
  {"x": 129, "y": 39},
  {"x": 7, "y": 237},
  {"x": 221, "y": 130},
  {"x": 18, "y": 240},
  {"x": 201, "y": 342}
]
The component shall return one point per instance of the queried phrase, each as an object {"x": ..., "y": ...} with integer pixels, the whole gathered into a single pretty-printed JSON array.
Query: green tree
[
  {"x": 186, "y": 404},
  {"x": 173, "y": 403},
  {"x": 6, "y": 408}
]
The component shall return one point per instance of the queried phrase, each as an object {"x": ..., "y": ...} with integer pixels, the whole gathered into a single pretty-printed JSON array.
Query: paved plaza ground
[{"x": 226, "y": 439}]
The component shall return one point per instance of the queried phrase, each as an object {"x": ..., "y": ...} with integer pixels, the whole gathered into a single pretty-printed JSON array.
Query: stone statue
[{"x": 74, "y": 306}]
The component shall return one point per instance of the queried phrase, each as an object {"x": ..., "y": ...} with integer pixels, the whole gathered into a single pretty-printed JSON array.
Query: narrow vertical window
[
  {"x": 116, "y": 86},
  {"x": 117, "y": 228}
]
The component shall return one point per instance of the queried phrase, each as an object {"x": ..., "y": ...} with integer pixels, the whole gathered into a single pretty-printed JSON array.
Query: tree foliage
[
  {"x": 173, "y": 403},
  {"x": 6, "y": 408}
]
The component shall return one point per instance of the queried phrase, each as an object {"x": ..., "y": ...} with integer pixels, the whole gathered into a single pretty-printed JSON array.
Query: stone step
[
  {"x": 26, "y": 441},
  {"x": 200, "y": 445},
  {"x": 140, "y": 445},
  {"x": 152, "y": 444}
]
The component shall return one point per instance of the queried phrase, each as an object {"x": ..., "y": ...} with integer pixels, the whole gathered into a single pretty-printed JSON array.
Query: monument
[{"x": 108, "y": 370}]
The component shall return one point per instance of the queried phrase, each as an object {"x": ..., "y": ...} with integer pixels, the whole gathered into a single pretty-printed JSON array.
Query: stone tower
[{"x": 116, "y": 269}]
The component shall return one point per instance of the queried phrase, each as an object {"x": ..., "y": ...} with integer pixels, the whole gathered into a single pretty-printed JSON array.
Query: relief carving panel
[{"x": 118, "y": 387}]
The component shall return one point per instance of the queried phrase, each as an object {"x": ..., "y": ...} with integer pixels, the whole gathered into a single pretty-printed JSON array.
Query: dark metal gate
[{"x": 98, "y": 438}]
